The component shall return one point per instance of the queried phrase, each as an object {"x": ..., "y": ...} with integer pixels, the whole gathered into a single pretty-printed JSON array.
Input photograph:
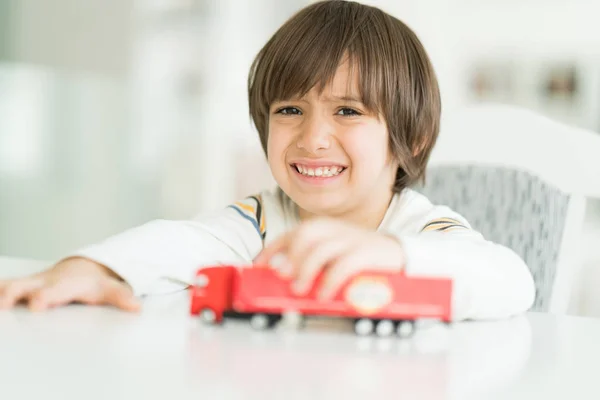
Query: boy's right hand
[{"x": 71, "y": 280}]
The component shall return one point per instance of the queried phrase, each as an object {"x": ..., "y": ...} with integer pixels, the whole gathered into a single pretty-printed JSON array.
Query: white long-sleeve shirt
[{"x": 489, "y": 281}]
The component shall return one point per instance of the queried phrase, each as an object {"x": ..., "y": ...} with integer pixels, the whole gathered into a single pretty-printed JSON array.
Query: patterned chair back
[{"x": 509, "y": 207}]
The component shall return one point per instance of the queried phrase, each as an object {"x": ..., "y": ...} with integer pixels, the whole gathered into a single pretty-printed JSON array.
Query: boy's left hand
[{"x": 342, "y": 248}]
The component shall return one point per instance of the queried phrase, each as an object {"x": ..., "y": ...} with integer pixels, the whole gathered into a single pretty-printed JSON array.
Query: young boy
[{"x": 347, "y": 107}]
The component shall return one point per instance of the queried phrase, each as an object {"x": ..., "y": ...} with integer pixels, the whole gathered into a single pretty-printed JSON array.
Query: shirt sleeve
[
  {"x": 490, "y": 281},
  {"x": 162, "y": 256}
]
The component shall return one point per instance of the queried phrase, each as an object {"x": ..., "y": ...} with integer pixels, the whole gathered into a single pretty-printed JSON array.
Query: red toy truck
[{"x": 380, "y": 302}]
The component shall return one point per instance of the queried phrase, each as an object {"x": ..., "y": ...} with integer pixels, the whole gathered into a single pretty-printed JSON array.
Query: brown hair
[{"x": 396, "y": 76}]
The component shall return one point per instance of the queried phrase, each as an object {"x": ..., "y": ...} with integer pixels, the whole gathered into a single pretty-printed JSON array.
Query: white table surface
[{"x": 80, "y": 352}]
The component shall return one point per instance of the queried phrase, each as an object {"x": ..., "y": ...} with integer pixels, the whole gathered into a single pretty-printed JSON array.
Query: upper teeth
[{"x": 321, "y": 171}]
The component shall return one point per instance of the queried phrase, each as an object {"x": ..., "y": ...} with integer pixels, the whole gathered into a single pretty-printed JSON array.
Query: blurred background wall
[{"x": 116, "y": 112}]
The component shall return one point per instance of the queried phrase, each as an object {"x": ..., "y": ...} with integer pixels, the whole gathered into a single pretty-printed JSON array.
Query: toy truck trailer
[{"x": 379, "y": 302}]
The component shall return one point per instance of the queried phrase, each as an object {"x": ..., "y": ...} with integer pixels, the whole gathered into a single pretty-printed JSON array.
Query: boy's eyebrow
[{"x": 353, "y": 98}]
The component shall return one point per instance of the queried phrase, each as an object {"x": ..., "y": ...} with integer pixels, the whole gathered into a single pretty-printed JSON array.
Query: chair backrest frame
[{"x": 567, "y": 265}]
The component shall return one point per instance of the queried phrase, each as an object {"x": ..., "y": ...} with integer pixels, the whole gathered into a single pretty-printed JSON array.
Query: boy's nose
[{"x": 315, "y": 134}]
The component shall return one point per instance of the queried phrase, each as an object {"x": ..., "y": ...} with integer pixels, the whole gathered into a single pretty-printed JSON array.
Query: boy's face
[{"x": 328, "y": 153}]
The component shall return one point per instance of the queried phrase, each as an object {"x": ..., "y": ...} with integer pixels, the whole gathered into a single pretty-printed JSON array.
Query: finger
[
  {"x": 51, "y": 296},
  {"x": 13, "y": 292},
  {"x": 3, "y": 286},
  {"x": 320, "y": 256},
  {"x": 74, "y": 288},
  {"x": 121, "y": 296},
  {"x": 112, "y": 293},
  {"x": 388, "y": 256},
  {"x": 297, "y": 240},
  {"x": 303, "y": 245},
  {"x": 298, "y": 243},
  {"x": 276, "y": 247},
  {"x": 339, "y": 272}
]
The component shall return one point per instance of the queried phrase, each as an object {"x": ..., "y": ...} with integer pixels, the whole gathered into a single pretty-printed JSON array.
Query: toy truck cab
[{"x": 211, "y": 292}]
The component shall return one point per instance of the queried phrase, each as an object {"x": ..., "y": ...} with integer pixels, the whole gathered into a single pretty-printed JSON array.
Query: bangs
[{"x": 308, "y": 54}]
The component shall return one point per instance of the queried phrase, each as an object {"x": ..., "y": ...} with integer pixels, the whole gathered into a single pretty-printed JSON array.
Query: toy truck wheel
[
  {"x": 208, "y": 316},
  {"x": 384, "y": 328},
  {"x": 363, "y": 326},
  {"x": 293, "y": 319},
  {"x": 405, "y": 329},
  {"x": 262, "y": 321},
  {"x": 259, "y": 321}
]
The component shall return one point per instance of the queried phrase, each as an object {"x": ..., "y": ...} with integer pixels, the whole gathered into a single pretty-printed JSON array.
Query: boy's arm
[
  {"x": 162, "y": 256},
  {"x": 490, "y": 281}
]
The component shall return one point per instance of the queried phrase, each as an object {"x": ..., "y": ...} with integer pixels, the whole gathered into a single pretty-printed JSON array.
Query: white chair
[{"x": 522, "y": 180}]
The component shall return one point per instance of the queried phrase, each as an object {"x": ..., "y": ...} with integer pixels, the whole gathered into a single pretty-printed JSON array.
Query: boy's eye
[
  {"x": 348, "y": 112},
  {"x": 289, "y": 111}
]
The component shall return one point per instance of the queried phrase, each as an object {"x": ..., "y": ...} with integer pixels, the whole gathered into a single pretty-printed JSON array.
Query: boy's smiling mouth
[{"x": 317, "y": 172}]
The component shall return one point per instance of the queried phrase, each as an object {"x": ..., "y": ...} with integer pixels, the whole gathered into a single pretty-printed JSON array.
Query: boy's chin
[{"x": 320, "y": 205}]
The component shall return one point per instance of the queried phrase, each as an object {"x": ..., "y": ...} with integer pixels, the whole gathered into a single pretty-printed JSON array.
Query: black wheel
[
  {"x": 405, "y": 329},
  {"x": 208, "y": 316},
  {"x": 364, "y": 326},
  {"x": 293, "y": 319},
  {"x": 261, "y": 321},
  {"x": 385, "y": 328}
]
